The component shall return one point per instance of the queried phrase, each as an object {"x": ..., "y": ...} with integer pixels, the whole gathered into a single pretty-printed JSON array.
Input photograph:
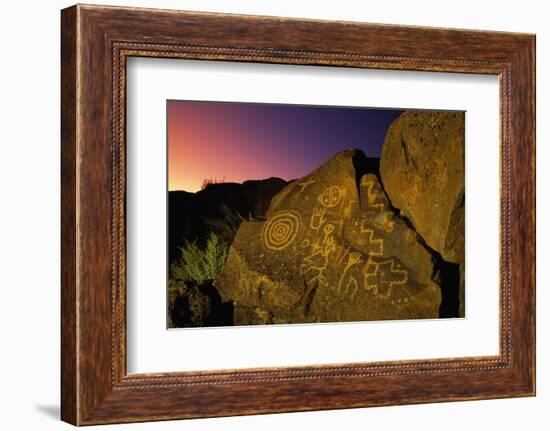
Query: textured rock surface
[
  {"x": 330, "y": 250},
  {"x": 189, "y": 305},
  {"x": 422, "y": 170}
]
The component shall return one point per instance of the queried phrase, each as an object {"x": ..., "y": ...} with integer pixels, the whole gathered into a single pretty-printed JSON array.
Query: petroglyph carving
[
  {"x": 331, "y": 197},
  {"x": 374, "y": 245},
  {"x": 313, "y": 265},
  {"x": 280, "y": 230},
  {"x": 334, "y": 244},
  {"x": 303, "y": 185},
  {"x": 348, "y": 209},
  {"x": 385, "y": 277},
  {"x": 350, "y": 287},
  {"x": 328, "y": 229},
  {"x": 317, "y": 218},
  {"x": 348, "y": 284},
  {"x": 375, "y": 199}
]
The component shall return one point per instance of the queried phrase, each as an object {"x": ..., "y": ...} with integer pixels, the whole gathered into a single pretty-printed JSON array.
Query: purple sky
[{"x": 240, "y": 141}]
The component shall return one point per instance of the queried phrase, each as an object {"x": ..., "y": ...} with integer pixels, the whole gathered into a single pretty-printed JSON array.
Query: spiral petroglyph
[{"x": 279, "y": 231}]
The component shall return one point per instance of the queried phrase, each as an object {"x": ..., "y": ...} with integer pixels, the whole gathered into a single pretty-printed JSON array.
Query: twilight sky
[{"x": 243, "y": 141}]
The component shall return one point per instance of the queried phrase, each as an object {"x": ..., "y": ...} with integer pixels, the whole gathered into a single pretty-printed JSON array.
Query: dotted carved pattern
[{"x": 282, "y": 231}]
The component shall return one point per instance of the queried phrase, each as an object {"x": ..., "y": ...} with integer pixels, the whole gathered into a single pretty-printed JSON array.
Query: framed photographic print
[{"x": 267, "y": 215}]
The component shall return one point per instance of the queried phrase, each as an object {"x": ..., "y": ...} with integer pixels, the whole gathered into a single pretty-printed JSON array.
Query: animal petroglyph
[
  {"x": 331, "y": 197},
  {"x": 280, "y": 230}
]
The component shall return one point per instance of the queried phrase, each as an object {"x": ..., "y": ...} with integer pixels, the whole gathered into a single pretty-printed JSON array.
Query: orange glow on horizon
[{"x": 235, "y": 142}]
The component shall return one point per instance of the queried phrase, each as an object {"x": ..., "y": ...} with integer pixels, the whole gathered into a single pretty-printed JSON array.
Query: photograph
[
  {"x": 275, "y": 215},
  {"x": 288, "y": 214}
]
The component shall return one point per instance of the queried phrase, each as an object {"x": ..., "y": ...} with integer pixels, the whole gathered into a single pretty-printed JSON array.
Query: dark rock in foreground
[
  {"x": 196, "y": 305},
  {"x": 422, "y": 170},
  {"x": 331, "y": 250}
]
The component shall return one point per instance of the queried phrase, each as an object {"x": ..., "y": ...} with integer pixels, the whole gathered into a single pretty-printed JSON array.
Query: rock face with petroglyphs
[
  {"x": 331, "y": 249},
  {"x": 422, "y": 169}
]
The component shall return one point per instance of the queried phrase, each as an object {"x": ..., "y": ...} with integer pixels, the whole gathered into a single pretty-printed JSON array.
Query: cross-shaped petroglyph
[{"x": 382, "y": 278}]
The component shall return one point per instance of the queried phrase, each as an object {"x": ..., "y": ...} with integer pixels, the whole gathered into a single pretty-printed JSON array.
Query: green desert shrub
[{"x": 200, "y": 264}]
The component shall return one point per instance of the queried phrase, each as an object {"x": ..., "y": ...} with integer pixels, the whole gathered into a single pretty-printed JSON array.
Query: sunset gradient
[{"x": 235, "y": 142}]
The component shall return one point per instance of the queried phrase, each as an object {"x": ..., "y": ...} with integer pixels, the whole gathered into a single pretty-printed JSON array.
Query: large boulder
[
  {"x": 422, "y": 171},
  {"x": 331, "y": 249}
]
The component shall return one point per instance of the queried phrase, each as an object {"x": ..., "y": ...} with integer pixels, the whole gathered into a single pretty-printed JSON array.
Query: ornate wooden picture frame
[{"x": 96, "y": 41}]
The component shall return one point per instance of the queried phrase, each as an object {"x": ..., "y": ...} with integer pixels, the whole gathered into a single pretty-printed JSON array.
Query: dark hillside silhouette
[{"x": 189, "y": 214}]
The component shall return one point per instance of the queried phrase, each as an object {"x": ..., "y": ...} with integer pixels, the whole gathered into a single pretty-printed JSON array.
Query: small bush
[
  {"x": 207, "y": 181},
  {"x": 198, "y": 265}
]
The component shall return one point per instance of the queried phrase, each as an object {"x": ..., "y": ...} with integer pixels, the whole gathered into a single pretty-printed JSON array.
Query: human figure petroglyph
[
  {"x": 347, "y": 280},
  {"x": 315, "y": 264},
  {"x": 328, "y": 229},
  {"x": 280, "y": 230},
  {"x": 350, "y": 287}
]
